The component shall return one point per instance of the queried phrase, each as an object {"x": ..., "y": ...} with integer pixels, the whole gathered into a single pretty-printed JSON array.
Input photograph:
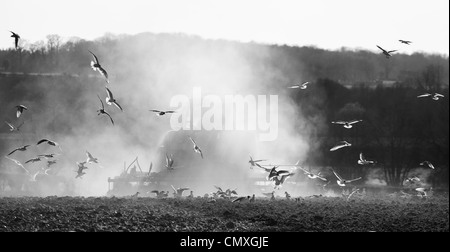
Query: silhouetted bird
[
  {"x": 110, "y": 99},
  {"x": 16, "y": 39},
  {"x": 23, "y": 148},
  {"x": 97, "y": 67},
  {"x": 33, "y": 160},
  {"x": 405, "y": 41},
  {"x": 161, "y": 113},
  {"x": 47, "y": 156},
  {"x": 102, "y": 110},
  {"x": 387, "y": 53},
  {"x": 52, "y": 143},
  {"x": 81, "y": 167}
]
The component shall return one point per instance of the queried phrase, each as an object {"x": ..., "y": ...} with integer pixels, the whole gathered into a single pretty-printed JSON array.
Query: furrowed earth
[{"x": 321, "y": 214}]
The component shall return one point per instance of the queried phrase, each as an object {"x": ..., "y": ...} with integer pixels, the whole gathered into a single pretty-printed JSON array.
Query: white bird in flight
[
  {"x": 12, "y": 127},
  {"x": 196, "y": 148},
  {"x": 312, "y": 175},
  {"x": 97, "y": 67},
  {"x": 435, "y": 96},
  {"x": 90, "y": 159},
  {"x": 341, "y": 144},
  {"x": 347, "y": 124},
  {"x": 363, "y": 161},
  {"x": 304, "y": 85},
  {"x": 343, "y": 182},
  {"x": 110, "y": 99},
  {"x": 428, "y": 164},
  {"x": 20, "y": 109},
  {"x": 254, "y": 162}
]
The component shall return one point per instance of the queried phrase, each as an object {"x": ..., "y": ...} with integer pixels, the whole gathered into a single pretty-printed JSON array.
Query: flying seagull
[
  {"x": 435, "y": 96},
  {"x": 161, "y": 113},
  {"x": 20, "y": 109},
  {"x": 387, "y": 53},
  {"x": 196, "y": 148},
  {"x": 23, "y": 148},
  {"x": 97, "y": 67},
  {"x": 341, "y": 144},
  {"x": 47, "y": 156},
  {"x": 343, "y": 182},
  {"x": 274, "y": 174},
  {"x": 428, "y": 164},
  {"x": 102, "y": 110},
  {"x": 347, "y": 124},
  {"x": 13, "y": 127},
  {"x": 52, "y": 143},
  {"x": 312, "y": 175},
  {"x": 405, "y": 41},
  {"x": 110, "y": 99},
  {"x": 169, "y": 162},
  {"x": 304, "y": 85},
  {"x": 81, "y": 167},
  {"x": 90, "y": 159},
  {"x": 282, "y": 179},
  {"x": 16, "y": 38},
  {"x": 33, "y": 160},
  {"x": 363, "y": 161},
  {"x": 254, "y": 162}
]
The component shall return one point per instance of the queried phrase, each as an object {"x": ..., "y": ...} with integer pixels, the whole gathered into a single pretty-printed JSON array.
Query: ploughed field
[{"x": 321, "y": 214}]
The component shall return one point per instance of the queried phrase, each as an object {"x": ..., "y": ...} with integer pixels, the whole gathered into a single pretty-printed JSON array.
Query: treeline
[{"x": 349, "y": 67}]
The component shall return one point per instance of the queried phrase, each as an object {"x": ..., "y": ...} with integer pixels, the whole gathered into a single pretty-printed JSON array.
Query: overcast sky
[{"x": 329, "y": 24}]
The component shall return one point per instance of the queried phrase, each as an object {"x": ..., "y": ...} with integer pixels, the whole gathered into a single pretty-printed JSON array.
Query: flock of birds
[
  {"x": 277, "y": 176},
  {"x": 110, "y": 100}
]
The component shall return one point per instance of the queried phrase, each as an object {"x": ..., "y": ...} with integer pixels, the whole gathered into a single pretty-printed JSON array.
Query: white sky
[{"x": 328, "y": 24}]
